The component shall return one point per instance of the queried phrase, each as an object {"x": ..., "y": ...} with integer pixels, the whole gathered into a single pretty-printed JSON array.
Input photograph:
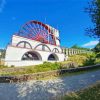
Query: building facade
[{"x": 34, "y": 44}]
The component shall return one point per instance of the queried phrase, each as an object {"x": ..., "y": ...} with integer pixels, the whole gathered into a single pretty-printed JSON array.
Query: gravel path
[{"x": 47, "y": 89}]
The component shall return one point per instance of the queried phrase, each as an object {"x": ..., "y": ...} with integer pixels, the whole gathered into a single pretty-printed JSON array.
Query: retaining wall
[{"x": 27, "y": 77}]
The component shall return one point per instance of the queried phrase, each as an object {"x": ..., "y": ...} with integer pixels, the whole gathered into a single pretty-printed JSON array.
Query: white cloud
[
  {"x": 91, "y": 43},
  {"x": 2, "y": 5}
]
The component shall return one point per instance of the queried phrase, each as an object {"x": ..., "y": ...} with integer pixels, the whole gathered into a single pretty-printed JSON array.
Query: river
[{"x": 47, "y": 89}]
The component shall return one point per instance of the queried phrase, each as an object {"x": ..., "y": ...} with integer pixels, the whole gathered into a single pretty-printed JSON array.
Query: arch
[
  {"x": 43, "y": 47},
  {"x": 25, "y": 44},
  {"x": 31, "y": 56},
  {"x": 53, "y": 57},
  {"x": 55, "y": 50}
]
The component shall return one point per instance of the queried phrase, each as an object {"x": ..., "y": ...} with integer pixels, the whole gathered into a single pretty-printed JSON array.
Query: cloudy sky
[{"x": 68, "y": 16}]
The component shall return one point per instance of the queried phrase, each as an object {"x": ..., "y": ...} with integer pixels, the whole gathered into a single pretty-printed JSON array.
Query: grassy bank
[
  {"x": 72, "y": 62},
  {"x": 90, "y": 93}
]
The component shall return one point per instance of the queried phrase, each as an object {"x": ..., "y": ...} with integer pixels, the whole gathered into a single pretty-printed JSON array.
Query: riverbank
[
  {"x": 47, "y": 89},
  {"x": 90, "y": 93},
  {"x": 49, "y": 74}
]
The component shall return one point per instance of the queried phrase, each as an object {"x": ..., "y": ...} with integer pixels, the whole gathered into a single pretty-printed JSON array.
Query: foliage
[
  {"x": 89, "y": 61},
  {"x": 2, "y": 51},
  {"x": 96, "y": 49},
  {"x": 90, "y": 93},
  {"x": 78, "y": 47},
  {"x": 92, "y": 59},
  {"x": 94, "y": 12},
  {"x": 98, "y": 55},
  {"x": 1, "y": 66},
  {"x": 72, "y": 62},
  {"x": 84, "y": 59},
  {"x": 46, "y": 66},
  {"x": 79, "y": 59},
  {"x": 97, "y": 61}
]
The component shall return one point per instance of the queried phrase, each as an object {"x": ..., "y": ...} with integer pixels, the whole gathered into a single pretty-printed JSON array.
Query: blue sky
[{"x": 66, "y": 15}]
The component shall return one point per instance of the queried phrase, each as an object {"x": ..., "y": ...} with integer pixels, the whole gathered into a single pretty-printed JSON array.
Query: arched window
[
  {"x": 31, "y": 56},
  {"x": 24, "y": 44},
  {"x": 52, "y": 57}
]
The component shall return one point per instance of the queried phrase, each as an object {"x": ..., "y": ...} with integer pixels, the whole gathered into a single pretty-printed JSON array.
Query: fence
[{"x": 71, "y": 51}]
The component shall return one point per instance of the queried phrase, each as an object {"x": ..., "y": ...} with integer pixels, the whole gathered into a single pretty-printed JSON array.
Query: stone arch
[
  {"x": 53, "y": 57},
  {"x": 31, "y": 56},
  {"x": 25, "y": 44},
  {"x": 55, "y": 50},
  {"x": 44, "y": 47}
]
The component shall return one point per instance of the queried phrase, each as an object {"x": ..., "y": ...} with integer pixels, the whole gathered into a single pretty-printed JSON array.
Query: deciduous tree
[{"x": 93, "y": 10}]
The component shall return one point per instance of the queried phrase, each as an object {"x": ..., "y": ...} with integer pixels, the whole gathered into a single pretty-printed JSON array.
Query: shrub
[
  {"x": 78, "y": 59},
  {"x": 1, "y": 66},
  {"x": 98, "y": 55},
  {"x": 89, "y": 61},
  {"x": 12, "y": 66}
]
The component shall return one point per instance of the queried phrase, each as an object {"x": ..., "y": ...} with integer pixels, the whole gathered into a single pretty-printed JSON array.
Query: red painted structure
[{"x": 38, "y": 31}]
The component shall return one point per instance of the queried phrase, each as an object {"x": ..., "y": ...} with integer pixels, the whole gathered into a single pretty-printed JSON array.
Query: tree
[
  {"x": 75, "y": 46},
  {"x": 78, "y": 47},
  {"x": 94, "y": 12},
  {"x": 2, "y": 51},
  {"x": 97, "y": 48}
]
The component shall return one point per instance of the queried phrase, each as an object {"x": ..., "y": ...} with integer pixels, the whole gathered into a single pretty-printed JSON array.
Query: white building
[{"x": 34, "y": 44}]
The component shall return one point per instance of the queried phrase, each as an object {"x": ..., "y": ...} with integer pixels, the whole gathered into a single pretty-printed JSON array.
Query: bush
[
  {"x": 78, "y": 59},
  {"x": 91, "y": 59},
  {"x": 98, "y": 55},
  {"x": 1, "y": 66},
  {"x": 12, "y": 66}
]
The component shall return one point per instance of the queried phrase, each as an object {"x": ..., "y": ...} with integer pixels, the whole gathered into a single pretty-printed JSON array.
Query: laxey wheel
[{"x": 38, "y": 31}]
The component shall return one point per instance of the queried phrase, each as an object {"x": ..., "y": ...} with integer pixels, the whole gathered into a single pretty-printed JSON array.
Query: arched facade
[
  {"x": 25, "y": 52},
  {"x": 52, "y": 57},
  {"x": 33, "y": 44},
  {"x": 31, "y": 56}
]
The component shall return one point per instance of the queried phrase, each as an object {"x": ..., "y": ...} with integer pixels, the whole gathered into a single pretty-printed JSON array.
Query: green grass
[
  {"x": 79, "y": 60},
  {"x": 90, "y": 93},
  {"x": 1, "y": 66},
  {"x": 47, "y": 66}
]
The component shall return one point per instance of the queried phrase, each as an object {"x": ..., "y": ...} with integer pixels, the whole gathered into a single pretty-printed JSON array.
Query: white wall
[
  {"x": 14, "y": 55},
  {"x": 17, "y": 39}
]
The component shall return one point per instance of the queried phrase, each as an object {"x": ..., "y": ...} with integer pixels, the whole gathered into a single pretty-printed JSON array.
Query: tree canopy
[
  {"x": 97, "y": 48},
  {"x": 94, "y": 12},
  {"x": 2, "y": 51},
  {"x": 78, "y": 47}
]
